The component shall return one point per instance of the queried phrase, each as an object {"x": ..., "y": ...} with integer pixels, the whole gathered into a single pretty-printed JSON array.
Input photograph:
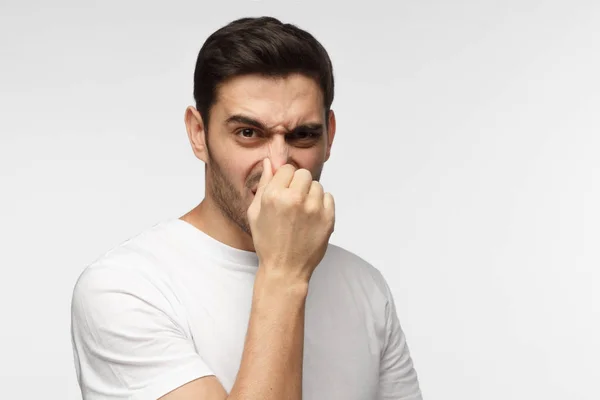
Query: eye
[
  {"x": 246, "y": 132},
  {"x": 305, "y": 135}
]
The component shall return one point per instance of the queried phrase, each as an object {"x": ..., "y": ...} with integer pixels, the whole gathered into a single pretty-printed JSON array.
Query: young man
[{"x": 243, "y": 297}]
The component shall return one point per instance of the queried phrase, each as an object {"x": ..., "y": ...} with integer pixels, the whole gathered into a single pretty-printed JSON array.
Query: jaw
[{"x": 209, "y": 217}]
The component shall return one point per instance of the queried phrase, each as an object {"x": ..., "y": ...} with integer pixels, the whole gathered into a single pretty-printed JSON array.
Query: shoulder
[{"x": 132, "y": 268}]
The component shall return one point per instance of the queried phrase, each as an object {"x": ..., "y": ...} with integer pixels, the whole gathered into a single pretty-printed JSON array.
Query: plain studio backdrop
[{"x": 466, "y": 168}]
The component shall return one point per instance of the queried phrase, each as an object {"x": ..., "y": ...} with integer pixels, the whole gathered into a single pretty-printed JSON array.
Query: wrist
[{"x": 277, "y": 282}]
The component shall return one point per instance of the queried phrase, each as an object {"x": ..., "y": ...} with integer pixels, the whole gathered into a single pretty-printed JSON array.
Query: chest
[{"x": 341, "y": 340}]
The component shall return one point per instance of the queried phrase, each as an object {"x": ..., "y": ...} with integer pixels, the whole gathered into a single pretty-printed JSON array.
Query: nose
[{"x": 279, "y": 153}]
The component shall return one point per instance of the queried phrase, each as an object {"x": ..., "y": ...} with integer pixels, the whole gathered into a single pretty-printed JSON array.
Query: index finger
[
  {"x": 283, "y": 177},
  {"x": 265, "y": 178}
]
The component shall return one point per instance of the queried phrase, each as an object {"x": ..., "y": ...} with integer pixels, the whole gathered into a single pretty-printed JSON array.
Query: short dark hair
[{"x": 261, "y": 45}]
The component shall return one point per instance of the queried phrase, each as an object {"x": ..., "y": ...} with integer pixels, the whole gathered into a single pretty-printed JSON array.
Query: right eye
[{"x": 246, "y": 132}]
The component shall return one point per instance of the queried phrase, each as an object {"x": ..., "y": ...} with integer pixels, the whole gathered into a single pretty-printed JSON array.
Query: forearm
[{"x": 271, "y": 366}]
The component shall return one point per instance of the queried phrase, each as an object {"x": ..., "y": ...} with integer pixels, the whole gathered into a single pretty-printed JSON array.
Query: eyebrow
[{"x": 242, "y": 119}]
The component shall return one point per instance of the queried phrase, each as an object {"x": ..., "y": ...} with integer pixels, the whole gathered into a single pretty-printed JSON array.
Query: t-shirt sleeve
[
  {"x": 398, "y": 378},
  {"x": 129, "y": 337}
]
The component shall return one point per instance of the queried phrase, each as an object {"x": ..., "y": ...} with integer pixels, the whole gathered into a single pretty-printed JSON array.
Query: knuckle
[
  {"x": 303, "y": 175},
  {"x": 316, "y": 186},
  {"x": 312, "y": 207},
  {"x": 303, "y": 172},
  {"x": 269, "y": 197},
  {"x": 330, "y": 223},
  {"x": 294, "y": 198},
  {"x": 289, "y": 167}
]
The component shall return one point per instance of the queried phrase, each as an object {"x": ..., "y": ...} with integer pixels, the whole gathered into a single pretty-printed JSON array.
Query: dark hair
[{"x": 264, "y": 46}]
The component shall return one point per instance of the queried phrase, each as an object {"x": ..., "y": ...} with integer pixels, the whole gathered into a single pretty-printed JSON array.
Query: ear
[
  {"x": 196, "y": 133},
  {"x": 330, "y": 133}
]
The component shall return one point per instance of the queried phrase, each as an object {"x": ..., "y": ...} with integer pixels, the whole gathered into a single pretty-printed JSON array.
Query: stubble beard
[{"x": 226, "y": 197}]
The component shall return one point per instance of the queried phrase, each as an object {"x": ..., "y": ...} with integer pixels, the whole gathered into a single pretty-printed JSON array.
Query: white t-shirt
[{"x": 172, "y": 304}]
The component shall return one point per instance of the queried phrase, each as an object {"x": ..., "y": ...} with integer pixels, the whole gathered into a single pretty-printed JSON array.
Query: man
[{"x": 243, "y": 297}]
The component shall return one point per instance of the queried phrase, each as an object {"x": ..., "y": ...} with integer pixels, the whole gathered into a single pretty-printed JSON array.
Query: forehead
[{"x": 285, "y": 101}]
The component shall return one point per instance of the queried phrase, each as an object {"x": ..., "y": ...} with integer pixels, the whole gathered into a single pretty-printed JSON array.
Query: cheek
[
  {"x": 311, "y": 160},
  {"x": 240, "y": 167}
]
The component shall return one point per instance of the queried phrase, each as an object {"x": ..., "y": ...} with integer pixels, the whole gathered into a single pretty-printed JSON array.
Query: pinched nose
[
  {"x": 279, "y": 152},
  {"x": 278, "y": 162}
]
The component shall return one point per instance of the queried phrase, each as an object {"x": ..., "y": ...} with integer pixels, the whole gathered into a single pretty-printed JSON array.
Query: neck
[{"x": 210, "y": 220}]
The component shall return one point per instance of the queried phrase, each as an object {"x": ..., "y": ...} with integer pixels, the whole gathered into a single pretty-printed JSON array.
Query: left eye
[{"x": 305, "y": 135}]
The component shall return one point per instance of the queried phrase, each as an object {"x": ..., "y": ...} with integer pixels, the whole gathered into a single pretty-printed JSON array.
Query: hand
[{"x": 291, "y": 220}]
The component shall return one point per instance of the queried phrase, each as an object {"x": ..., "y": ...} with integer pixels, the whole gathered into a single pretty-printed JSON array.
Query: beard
[
  {"x": 227, "y": 198},
  {"x": 230, "y": 202}
]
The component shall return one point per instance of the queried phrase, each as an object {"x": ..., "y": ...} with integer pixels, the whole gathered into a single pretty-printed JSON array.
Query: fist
[{"x": 291, "y": 220}]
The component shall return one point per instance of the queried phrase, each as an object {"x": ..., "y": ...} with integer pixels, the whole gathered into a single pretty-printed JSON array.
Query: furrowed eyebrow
[
  {"x": 242, "y": 119},
  {"x": 312, "y": 128}
]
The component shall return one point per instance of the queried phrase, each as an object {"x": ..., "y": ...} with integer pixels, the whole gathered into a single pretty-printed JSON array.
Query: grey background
[{"x": 465, "y": 168}]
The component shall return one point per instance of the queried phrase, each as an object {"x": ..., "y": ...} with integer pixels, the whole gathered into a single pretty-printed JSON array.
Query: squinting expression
[{"x": 256, "y": 117}]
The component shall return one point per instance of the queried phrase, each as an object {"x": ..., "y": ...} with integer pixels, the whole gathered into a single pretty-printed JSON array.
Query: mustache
[{"x": 253, "y": 181}]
